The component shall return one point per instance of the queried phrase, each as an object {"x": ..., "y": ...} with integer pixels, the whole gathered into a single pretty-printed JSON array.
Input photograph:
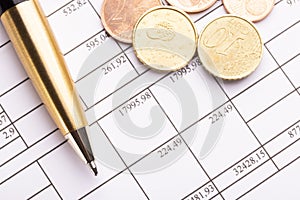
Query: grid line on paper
[
  {"x": 258, "y": 184},
  {"x": 14, "y": 87},
  {"x": 280, "y": 33},
  {"x": 239, "y": 113},
  {"x": 13, "y": 124},
  {"x": 288, "y": 78},
  {"x": 52, "y": 132},
  {"x": 45, "y": 188},
  {"x": 27, "y": 113},
  {"x": 49, "y": 179},
  {"x": 58, "y": 9},
  {"x": 127, "y": 168},
  {"x": 211, "y": 11},
  {"x": 32, "y": 162},
  {"x": 68, "y": 52},
  {"x": 272, "y": 105},
  {"x": 285, "y": 148},
  {"x": 2, "y": 45},
  {"x": 165, "y": 113},
  {"x": 94, "y": 9},
  {"x": 104, "y": 183},
  {"x": 127, "y": 57},
  {"x": 147, "y": 88}
]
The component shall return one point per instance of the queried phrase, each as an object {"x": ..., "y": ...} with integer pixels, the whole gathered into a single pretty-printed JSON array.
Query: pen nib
[{"x": 93, "y": 167}]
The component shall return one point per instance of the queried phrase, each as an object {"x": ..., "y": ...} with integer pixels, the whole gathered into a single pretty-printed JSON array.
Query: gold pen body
[{"x": 39, "y": 53}]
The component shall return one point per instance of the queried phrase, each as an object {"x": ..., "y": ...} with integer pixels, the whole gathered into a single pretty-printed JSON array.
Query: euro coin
[
  {"x": 192, "y": 6},
  {"x": 165, "y": 38},
  {"x": 253, "y": 10},
  {"x": 120, "y": 16},
  {"x": 230, "y": 47}
]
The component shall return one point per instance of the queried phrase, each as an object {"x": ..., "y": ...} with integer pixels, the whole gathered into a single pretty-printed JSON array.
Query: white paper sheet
[{"x": 156, "y": 136}]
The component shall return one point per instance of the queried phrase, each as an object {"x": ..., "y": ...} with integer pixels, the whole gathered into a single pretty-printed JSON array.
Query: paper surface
[{"x": 182, "y": 135}]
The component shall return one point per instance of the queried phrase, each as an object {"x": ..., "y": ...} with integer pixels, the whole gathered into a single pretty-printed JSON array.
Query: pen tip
[{"x": 93, "y": 167}]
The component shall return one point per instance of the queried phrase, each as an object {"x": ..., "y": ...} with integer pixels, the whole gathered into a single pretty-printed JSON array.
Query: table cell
[
  {"x": 204, "y": 193},
  {"x": 292, "y": 70},
  {"x": 234, "y": 88},
  {"x": 249, "y": 107},
  {"x": 283, "y": 140},
  {"x": 241, "y": 169},
  {"x": 286, "y": 41},
  {"x": 250, "y": 181},
  {"x": 119, "y": 97},
  {"x": 103, "y": 150},
  {"x": 20, "y": 100},
  {"x": 47, "y": 194},
  {"x": 124, "y": 185},
  {"x": 288, "y": 155},
  {"x": 276, "y": 119},
  {"x": 97, "y": 4},
  {"x": 3, "y": 36},
  {"x": 217, "y": 198},
  {"x": 11, "y": 150},
  {"x": 92, "y": 54},
  {"x": 76, "y": 17},
  {"x": 284, "y": 185},
  {"x": 75, "y": 179},
  {"x": 204, "y": 17},
  {"x": 11, "y": 70},
  {"x": 220, "y": 140},
  {"x": 105, "y": 80},
  {"x": 25, "y": 184},
  {"x": 50, "y": 6},
  {"x": 29, "y": 156},
  {"x": 35, "y": 126},
  {"x": 7, "y": 135},
  {"x": 137, "y": 127},
  {"x": 124, "y": 46},
  {"x": 163, "y": 183},
  {"x": 193, "y": 93},
  {"x": 273, "y": 25},
  {"x": 4, "y": 121},
  {"x": 140, "y": 67}
]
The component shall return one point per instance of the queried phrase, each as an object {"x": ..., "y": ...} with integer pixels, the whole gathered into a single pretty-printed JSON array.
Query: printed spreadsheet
[{"x": 178, "y": 135}]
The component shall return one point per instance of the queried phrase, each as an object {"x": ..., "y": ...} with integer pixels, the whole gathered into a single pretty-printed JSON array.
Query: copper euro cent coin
[
  {"x": 120, "y": 16},
  {"x": 192, "y": 6},
  {"x": 253, "y": 10}
]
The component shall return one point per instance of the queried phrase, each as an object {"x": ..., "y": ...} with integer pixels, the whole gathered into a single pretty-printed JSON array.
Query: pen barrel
[{"x": 39, "y": 53}]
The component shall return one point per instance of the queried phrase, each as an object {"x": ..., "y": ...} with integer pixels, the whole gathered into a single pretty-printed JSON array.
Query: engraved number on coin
[
  {"x": 117, "y": 18},
  {"x": 223, "y": 39}
]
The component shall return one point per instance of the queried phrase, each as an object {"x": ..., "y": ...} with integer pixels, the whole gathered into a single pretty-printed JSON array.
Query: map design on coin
[
  {"x": 230, "y": 47},
  {"x": 165, "y": 39}
]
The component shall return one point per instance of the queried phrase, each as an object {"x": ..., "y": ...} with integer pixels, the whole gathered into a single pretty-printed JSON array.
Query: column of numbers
[{"x": 8, "y": 133}]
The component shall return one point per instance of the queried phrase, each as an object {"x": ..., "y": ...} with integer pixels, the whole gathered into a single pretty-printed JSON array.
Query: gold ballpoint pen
[{"x": 39, "y": 53}]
